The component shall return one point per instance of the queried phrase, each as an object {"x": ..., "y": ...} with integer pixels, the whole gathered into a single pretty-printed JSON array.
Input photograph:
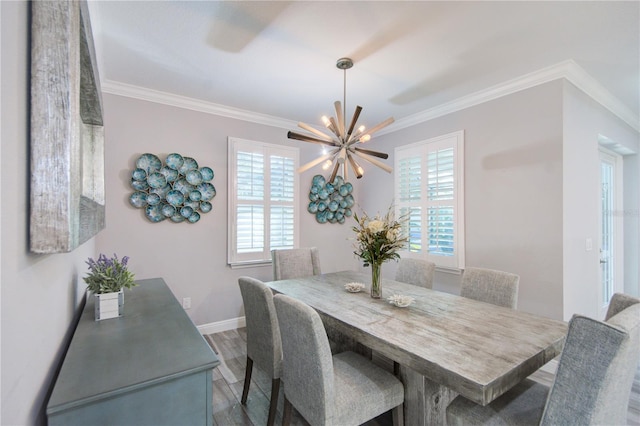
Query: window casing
[
  {"x": 429, "y": 179},
  {"x": 263, "y": 200}
]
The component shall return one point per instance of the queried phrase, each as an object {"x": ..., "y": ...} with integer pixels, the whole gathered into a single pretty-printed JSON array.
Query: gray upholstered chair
[
  {"x": 416, "y": 272},
  {"x": 343, "y": 389},
  {"x": 592, "y": 385},
  {"x": 491, "y": 286},
  {"x": 264, "y": 346},
  {"x": 295, "y": 263},
  {"x": 618, "y": 303}
]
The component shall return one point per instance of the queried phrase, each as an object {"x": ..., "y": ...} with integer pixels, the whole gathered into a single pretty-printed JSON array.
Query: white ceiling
[{"x": 278, "y": 58}]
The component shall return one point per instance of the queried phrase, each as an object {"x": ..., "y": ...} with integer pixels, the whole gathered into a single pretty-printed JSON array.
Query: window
[
  {"x": 263, "y": 205},
  {"x": 429, "y": 192}
]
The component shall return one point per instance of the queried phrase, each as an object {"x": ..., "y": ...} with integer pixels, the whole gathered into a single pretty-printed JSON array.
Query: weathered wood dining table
[{"x": 446, "y": 345}]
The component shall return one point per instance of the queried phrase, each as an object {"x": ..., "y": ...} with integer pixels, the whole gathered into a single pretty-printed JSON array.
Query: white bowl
[
  {"x": 400, "y": 301},
  {"x": 354, "y": 287}
]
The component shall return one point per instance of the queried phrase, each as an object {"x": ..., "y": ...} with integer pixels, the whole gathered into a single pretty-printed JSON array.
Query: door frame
[{"x": 617, "y": 250}]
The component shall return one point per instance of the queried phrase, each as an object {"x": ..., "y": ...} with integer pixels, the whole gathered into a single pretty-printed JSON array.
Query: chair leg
[
  {"x": 247, "y": 380},
  {"x": 275, "y": 389},
  {"x": 286, "y": 415}
]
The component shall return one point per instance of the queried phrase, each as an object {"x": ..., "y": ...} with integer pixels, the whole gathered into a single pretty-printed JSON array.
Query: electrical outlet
[{"x": 186, "y": 303}]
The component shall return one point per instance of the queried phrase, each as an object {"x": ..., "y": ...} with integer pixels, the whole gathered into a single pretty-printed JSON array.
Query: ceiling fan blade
[
  {"x": 305, "y": 138},
  {"x": 374, "y": 161},
  {"x": 374, "y": 153}
]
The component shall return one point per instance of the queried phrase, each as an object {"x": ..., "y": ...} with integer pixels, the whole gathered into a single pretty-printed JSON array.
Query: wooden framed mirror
[{"x": 67, "y": 129}]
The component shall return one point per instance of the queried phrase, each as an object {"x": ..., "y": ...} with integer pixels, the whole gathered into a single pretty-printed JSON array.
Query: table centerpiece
[{"x": 377, "y": 241}]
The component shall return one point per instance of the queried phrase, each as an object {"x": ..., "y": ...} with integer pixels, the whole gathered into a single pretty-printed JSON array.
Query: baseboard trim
[{"x": 220, "y": 326}]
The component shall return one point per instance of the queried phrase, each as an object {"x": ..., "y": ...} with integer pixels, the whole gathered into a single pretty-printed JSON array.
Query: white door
[{"x": 610, "y": 228}]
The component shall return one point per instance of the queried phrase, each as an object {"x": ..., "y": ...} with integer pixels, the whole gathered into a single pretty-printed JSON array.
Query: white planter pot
[{"x": 109, "y": 305}]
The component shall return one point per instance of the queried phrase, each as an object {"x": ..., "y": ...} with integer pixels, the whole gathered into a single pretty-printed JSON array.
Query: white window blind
[
  {"x": 429, "y": 193},
  {"x": 263, "y": 212}
]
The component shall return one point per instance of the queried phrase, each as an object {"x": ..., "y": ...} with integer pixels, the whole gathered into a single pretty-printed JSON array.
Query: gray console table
[{"x": 149, "y": 367}]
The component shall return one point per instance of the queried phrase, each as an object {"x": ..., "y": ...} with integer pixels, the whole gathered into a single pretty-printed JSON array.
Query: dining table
[{"x": 443, "y": 345}]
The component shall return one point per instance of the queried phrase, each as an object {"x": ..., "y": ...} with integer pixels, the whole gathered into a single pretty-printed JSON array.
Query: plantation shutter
[
  {"x": 440, "y": 199},
  {"x": 262, "y": 200},
  {"x": 282, "y": 198},
  {"x": 429, "y": 194},
  {"x": 250, "y": 202},
  {"x": 409, "y": 180}
]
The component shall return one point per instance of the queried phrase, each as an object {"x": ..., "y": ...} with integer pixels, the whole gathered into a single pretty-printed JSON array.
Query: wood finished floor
[{"x": 228, "y": 380}]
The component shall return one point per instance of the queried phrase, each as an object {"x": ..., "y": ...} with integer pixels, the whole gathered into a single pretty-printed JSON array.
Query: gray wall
[
  {"x": 513, "y": 190},
  {"x": 192, "y": 258},
  {"x": 584, "y": 120},
  {"x": 40, "y": 293}
]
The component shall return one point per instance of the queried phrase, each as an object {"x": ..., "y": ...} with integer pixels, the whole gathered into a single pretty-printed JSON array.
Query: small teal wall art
[
  {"x": 330, "y": 201},
  {"x": 177, "y": 190}
]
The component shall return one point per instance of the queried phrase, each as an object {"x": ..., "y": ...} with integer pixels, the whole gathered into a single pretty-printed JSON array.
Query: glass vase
[{"x": 376, "y": 285}]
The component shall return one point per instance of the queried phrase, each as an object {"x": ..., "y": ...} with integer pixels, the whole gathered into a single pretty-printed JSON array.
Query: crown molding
[
  {"x": 568, "y": 70},
  {"x": 145, "y": 94}
]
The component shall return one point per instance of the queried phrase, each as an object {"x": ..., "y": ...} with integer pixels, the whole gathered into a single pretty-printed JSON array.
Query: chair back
[
  {"x": 264, "y": 345},
  {"x": 416, "y": 271},
  {"x": 618, "y": 303},
  {"x": 307, "y": 362},
  {"x": 596, "y": 371},
  {"x": 295, "y": 263},
  {"x": 491, "y": 286}
]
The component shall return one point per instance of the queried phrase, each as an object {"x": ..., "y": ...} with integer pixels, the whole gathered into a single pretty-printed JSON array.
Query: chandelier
[{"x": 345, "y": 142}]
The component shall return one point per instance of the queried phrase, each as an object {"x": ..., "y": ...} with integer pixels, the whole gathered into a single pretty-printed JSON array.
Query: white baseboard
[{"x": 220, "y": 326}]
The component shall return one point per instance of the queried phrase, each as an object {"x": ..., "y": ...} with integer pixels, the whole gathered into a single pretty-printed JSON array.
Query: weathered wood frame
[{"x": 67, "y": 129}]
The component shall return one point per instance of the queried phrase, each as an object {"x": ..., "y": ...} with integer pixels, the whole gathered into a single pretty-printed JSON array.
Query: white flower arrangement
[{"x": 379, "y": 239}]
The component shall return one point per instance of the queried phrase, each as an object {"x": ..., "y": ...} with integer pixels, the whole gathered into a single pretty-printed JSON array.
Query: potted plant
[{"x": 107, "y": 279}]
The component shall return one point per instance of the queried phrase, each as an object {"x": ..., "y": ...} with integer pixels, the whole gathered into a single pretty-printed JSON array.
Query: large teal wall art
[
  {"x": 177, "y": 190},
  {"x": 330, "y": 201}
]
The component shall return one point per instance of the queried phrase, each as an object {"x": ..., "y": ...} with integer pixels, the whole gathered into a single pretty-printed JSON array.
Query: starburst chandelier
[{"x": 344, "y": 143}]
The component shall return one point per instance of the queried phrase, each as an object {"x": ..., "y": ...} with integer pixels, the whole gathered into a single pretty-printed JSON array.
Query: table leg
[{"x": 425, "y": 402}]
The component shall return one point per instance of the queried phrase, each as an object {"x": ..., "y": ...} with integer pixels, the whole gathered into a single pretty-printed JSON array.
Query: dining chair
[
  {"x": 343, "y": 389},
  {"x": 591, "y": 387},
  {"x": 618, "y": 303},
  {"x": 416, "y": 272},
  {"x": 491, "y": 286},
  {"x": 264, "y": 345},
  {"x": 295, "y": 263}
]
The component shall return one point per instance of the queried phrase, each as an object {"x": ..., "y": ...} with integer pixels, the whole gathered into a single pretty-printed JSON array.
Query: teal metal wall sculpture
[
  {"x": 330, "y": 201},
  {"x": 177, "y": 190}
]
